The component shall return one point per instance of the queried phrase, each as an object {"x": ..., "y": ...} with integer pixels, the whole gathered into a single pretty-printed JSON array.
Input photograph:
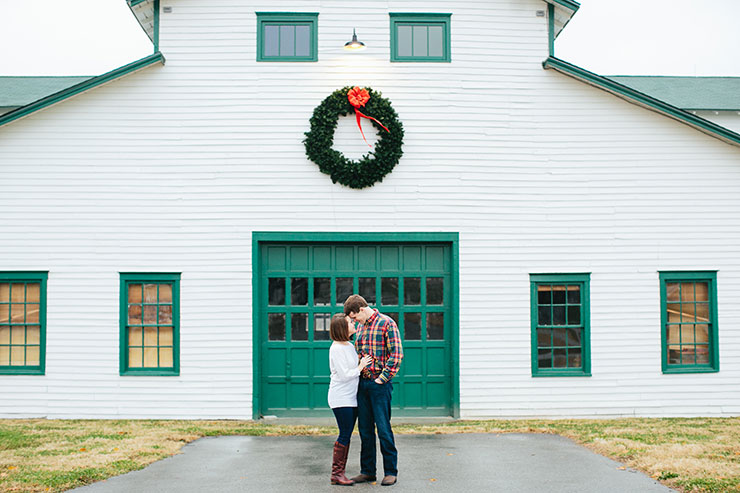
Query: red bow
[{"x": 357, "y": 98}]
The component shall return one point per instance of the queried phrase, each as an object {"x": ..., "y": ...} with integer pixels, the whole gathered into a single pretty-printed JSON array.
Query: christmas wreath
[{"x": 374, "y": 165}]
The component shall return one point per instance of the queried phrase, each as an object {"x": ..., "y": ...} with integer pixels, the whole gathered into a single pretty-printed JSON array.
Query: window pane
[
  {"x": 560, "y": 359},
  {"x": 33, "y": 292},
  {"x": 287, "y": 40},
  {"x": 150, "y": 336},
  {"x": 412, "y": 326},
  {"x": 32, "y": 313},
  {"x": 165, "y": 336},
  {"x": 17, "y": 293},
  {"x": 33, "y": 355},
  {"x": 165, "y": 293},
  {"x": 165, "y": 357},
  {"x": 420, "y": 41},
  {"x": 544, "y": 337},
  {"x": 702, "y": 355},
  {"x": 165, "y": 314},
  {"x": 367, "y": 289},
  {"x": 702, "y": 312},
  {"x": 574, "y": 337},
  {"x": 558, "y": 315},
  {"x": 394, "y": 316},
  {"x": 435, "y": 290},
  {"x": 344, "y": 289},
  {"x": 4, "y": 334},
  {"x": 4, "y": 355},
  {"x": 558, "y": 295},
  {"x": 276, "y": 291},
  {"x": 702, "y": 333},
  {"x": 299, "y": 327},
  {"x": 574, "y": 295},
  {"x": 150, "y": 357},
  {"x": 558, "y": 337},
  {"x": 18, "y": 335},
  {"x": 574, "y": 315},
  {"x": 135, "y": 336},
  {"x": 271, "y": 41},
  {"x": 687, "y": 291},
  {"x": 134, "y": 293},
  {"x": 543, "y": 315},
  {"x": 4, "y": 292},
  {"x": 412, "y": 290},
  {"x": 672, "y": 291},
  {"x": 435, "y": 326},
  {"x": 404, "y": 40},
  {"x": 544, "y": 295},
  {"x": 321, "y": 291},
  {"x": 276, "y": 327},
  {"x": 389, "y": 291},
  {"x": 544, "y": 358},
  {"x": 299, "y": 291},
  {"x": 674, "y": 354},
  {"x": 4, "y": 313},
  {"x": 150, "y": 293},
  {"x": 436, "y": 41},
  {"x": 17, "y": 313},
  {"x": 134, "y": 314},
  {"x": 150, "y": 314},
  {"x": 321, "y": 323},
  {"x": 302, "y": 40},
  {"x": 574, "y": 358},
  {"x": 702, "y": 291},
  {"x": 134, "y": 358}
]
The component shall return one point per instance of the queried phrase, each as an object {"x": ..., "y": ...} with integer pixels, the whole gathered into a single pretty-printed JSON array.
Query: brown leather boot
[{"x": 339, "y": 462}]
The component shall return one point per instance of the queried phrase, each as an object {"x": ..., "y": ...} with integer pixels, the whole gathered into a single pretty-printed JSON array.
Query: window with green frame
[
  {"x": 560, "y": 325},
  {"x": 22, "y": 322},
  {"x": 150, "y": 316},
  {"x": 420, "y": 37},
  {"x": 688, "y": 306},
  {"x": 287, "y": 37}
]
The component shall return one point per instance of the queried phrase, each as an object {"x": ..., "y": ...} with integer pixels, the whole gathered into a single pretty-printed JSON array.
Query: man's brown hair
[
  {"x": 339, "y": 328},
  {"x": 354, "y": 303}
]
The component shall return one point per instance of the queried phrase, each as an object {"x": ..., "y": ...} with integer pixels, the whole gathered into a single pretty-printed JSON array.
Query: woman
[{"x": 345, "y": 377}]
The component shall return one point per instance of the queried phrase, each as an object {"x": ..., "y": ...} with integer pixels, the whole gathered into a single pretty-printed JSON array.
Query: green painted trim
[
  {"x": 703, "y": 275},
  {"x": 259, "y": 237},
  {"x": 642, "y": 99},
  {"x": 568, "y": 4},
  {"x": 551, "y": 29},
  {"x": 584, "y": 279},
  {"x": 155, "y": 34},
  {"x": 125, "y": 278},
  {"x": 424, "y": 19},
  {"x": 31, "y": 276},
  {"x": 134, "y": 3},
  {"x": 81, "y": 87},
  {"x": 309, "y": 18}
]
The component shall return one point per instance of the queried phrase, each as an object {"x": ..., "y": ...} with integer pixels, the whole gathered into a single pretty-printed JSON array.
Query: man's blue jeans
[{"x": 374, "y": 411}]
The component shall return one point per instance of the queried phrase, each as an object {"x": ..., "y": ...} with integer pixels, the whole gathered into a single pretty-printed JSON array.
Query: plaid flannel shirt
[{"x": 379, "y": 337}]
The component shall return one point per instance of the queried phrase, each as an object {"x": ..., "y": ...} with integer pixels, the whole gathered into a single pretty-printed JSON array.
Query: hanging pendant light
[{"x": 354, "y": 45}]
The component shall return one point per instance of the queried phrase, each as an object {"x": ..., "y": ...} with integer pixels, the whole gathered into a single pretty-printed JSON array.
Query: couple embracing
[{"x": 361, "y": 388}]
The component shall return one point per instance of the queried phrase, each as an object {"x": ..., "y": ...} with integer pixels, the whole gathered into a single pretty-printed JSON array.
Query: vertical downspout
[{"x": 550, "y": 29}]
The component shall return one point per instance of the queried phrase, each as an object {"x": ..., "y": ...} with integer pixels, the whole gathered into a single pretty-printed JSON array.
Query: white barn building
[{"x": 552, "y": 242}]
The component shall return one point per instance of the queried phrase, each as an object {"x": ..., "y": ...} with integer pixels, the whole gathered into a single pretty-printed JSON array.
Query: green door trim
[{"x": 261, "y": 237}]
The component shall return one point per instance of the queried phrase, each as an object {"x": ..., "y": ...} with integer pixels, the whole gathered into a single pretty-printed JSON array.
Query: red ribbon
[{"x": 357, "y": 98}]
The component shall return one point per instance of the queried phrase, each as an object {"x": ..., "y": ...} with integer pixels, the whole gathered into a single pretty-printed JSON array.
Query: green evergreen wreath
[{"x": 374, "y": 165}]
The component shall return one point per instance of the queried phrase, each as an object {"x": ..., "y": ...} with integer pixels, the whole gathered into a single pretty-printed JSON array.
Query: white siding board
[{"x": 171, "y": 169}]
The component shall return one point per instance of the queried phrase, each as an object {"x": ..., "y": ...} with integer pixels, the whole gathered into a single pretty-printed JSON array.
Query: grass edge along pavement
[{"x": 38, "y": 455}]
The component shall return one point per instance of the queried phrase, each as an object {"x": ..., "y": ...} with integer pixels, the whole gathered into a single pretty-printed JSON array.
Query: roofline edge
[
  {"x": 642, "y": 99},
  {"x": 83, "y": 86}
]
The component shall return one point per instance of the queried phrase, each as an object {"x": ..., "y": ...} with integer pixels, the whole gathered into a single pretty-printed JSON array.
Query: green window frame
[
  {"x": 415, "y": 32},
  {"x": 688, "y": 316},
  {"x": 22, "y": 323},
  {"x": 278, "y": 31},
  {"x": 560, "y": 318},
  {"x": 150, "y": 324}
]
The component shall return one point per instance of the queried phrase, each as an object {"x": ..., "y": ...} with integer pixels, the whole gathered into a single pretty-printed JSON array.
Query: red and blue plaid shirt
[{"x": 379, "y": 337}]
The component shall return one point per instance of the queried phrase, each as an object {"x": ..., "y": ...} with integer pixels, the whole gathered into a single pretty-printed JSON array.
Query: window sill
[
  {"x": 21, "y": 371},
  {"x": 150, "y": 373}
]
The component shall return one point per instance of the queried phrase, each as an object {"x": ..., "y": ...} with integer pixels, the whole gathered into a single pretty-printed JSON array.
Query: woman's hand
[{"x": 364, "y": 361}]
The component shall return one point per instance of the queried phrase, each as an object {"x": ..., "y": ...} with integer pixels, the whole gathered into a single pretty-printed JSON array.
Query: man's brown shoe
[
  {"x": 363, "y": 478},
  {"x": 388, "y": 481}
]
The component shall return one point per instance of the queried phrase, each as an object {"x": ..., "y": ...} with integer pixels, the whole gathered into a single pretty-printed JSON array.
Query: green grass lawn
[{"x": 692, "y": 455}]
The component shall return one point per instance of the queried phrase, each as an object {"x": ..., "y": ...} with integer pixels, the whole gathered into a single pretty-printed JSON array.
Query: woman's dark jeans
[
  {"x": 374, "y": 410},
  {"x": 346, "y": 417}
]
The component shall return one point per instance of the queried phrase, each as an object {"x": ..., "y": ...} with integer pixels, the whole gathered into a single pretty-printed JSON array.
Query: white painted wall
[
  {"x": 728, "y": 119},
  {"x": 172, "y": 168}
]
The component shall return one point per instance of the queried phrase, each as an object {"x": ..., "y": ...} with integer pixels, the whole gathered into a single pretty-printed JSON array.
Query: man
[{"x": 377, "y": 336}]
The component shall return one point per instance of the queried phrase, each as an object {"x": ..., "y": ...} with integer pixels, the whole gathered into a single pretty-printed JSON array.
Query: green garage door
[{"x": 302, "y": 284}]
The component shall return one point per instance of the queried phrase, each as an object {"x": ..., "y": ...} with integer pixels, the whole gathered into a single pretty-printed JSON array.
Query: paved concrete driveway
[{"x": 510, "y": 463}]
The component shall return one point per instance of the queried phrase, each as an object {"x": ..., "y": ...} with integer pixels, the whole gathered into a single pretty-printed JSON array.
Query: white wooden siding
[{"x": 171, "y": 169}]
